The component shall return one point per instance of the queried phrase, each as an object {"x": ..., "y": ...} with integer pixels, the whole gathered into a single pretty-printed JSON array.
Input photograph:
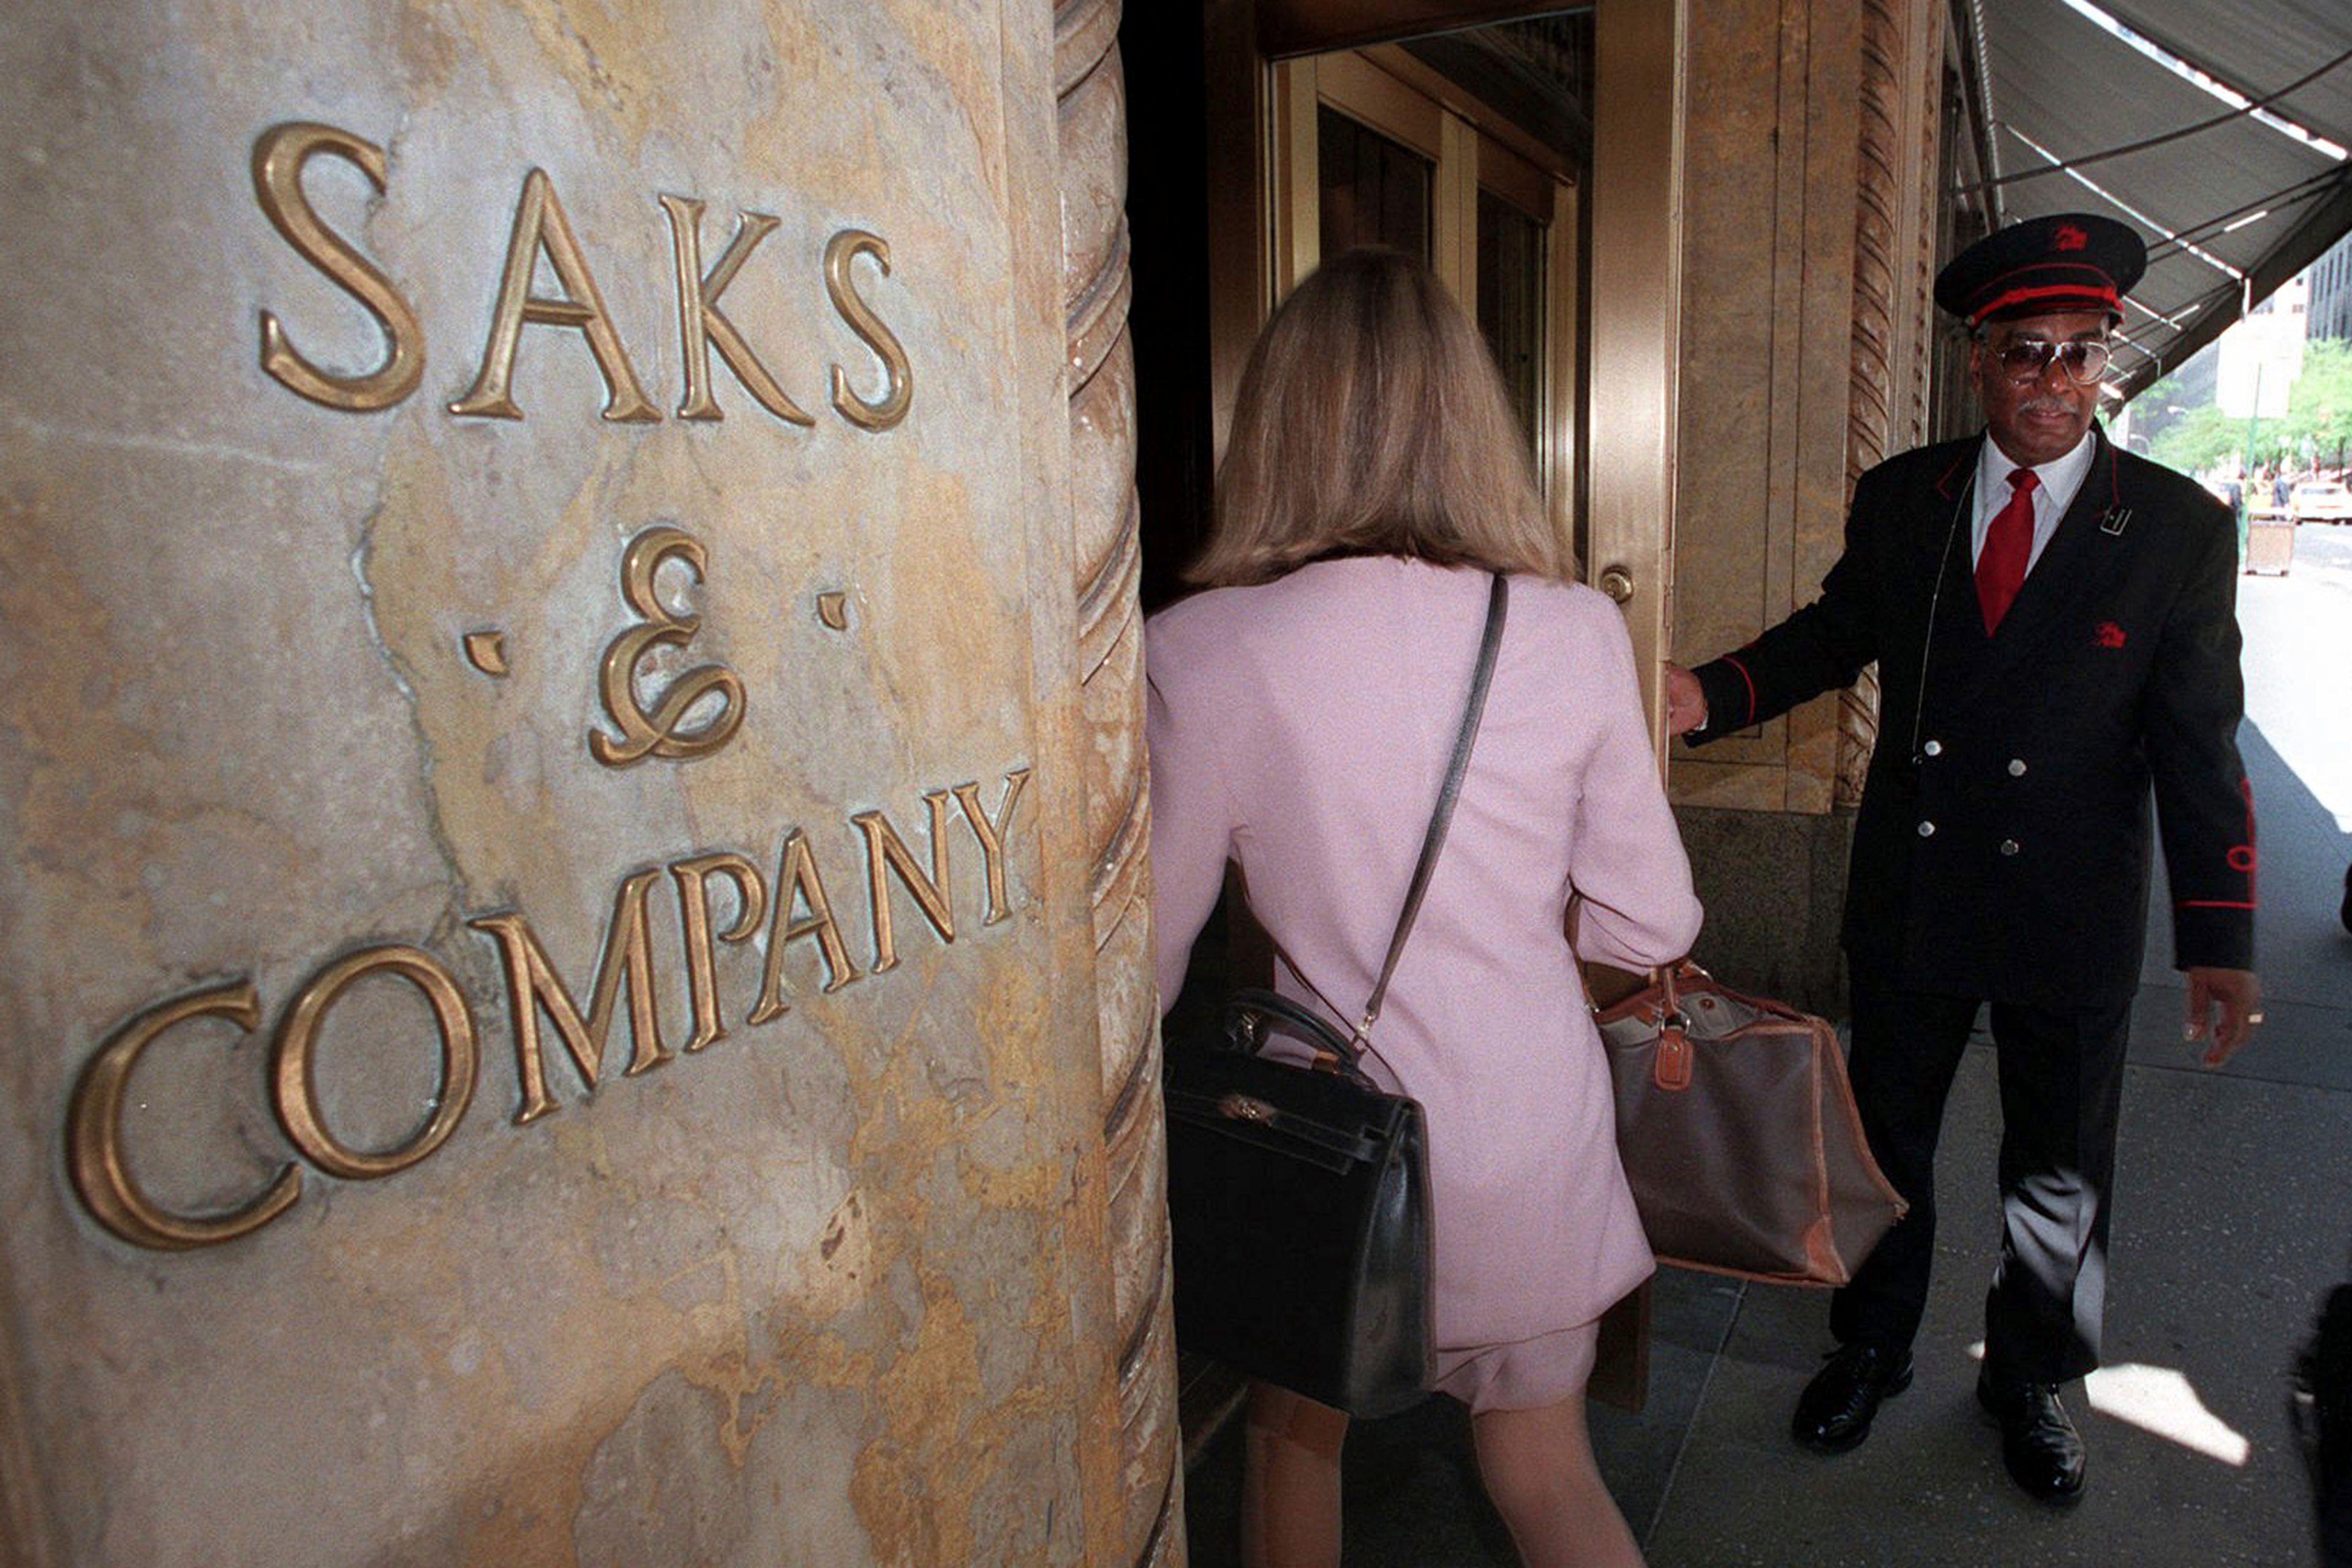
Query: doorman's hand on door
[{"x": 1685, "y": 702}]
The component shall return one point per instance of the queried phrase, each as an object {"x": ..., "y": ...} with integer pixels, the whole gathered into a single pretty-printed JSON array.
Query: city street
[{"x": 2298, "y": 663}]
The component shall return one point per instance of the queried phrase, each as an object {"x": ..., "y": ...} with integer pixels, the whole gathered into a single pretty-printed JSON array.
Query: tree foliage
[
  {"x": 2317, "y": 428},
  {"x": 2319, "y": 405},
  {"x": 2198, "y": 440}
]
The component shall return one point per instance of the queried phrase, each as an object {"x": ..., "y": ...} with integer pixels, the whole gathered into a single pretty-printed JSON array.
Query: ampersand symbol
[{"x": 660, "y": 733}]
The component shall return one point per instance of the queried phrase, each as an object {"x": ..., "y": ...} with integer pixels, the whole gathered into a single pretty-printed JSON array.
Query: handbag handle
[
  {"x": 1252, "y": 1015},
  {"x": 1498, "y": 603}
]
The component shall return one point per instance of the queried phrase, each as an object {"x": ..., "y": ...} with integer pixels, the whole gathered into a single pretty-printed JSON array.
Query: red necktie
[{"x": 2008, "y": 544}]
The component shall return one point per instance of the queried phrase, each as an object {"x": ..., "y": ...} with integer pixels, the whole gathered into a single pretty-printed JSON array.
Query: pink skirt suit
[{"x": 1301, "y": 729}]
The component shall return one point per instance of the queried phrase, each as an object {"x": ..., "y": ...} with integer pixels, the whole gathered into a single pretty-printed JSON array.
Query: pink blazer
[{"x": 1301, "y": 729}]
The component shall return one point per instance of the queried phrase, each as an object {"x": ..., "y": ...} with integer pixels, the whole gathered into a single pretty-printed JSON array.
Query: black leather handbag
[{"x": 1299, "y": 1196}]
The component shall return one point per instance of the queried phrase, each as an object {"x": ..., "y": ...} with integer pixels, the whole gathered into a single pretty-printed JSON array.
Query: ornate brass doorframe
[{"x": 1636, "y": 314}]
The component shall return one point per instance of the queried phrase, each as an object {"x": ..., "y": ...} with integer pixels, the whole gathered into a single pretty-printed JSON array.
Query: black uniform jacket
[{"x": 2002, "y": 849}]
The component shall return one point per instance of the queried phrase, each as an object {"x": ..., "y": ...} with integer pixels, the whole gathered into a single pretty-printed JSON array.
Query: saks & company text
[{"x": 792, "y": 906}]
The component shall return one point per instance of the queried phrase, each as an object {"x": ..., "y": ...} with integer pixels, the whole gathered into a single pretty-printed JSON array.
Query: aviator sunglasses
[{"x": 2028, "y": 359}]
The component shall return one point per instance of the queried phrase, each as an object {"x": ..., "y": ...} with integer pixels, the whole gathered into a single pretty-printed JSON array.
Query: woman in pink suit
[{"x": 1301, "y": 715}]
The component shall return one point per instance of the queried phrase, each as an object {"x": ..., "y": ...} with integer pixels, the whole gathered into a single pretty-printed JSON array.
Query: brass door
[
  {"x": 1372, "y": 147},
  {"x": 1573, "y": 272},
  {"x": 1634, "y": 352}
]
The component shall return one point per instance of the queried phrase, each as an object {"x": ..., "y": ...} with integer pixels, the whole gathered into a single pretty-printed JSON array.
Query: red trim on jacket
[
  {"x": 1943, "y": 481},
  {"x": 2241, "y": 858},
  {"x": 1749, "y": 681}
]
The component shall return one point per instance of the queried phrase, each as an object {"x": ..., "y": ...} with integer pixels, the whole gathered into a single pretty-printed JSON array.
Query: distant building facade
[
  {"x": 2330, "y": 276},
  {"x": 2262, "y": 354}
]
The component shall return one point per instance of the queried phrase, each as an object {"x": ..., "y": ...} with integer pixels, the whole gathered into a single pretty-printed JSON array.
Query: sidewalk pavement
[{"x": 2231, "y": 1221}]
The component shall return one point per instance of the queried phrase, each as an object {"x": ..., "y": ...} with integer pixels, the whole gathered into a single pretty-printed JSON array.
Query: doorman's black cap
[{"x": 2043, "y": 267}]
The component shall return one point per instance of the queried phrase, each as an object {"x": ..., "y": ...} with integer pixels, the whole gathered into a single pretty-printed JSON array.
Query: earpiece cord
[{"x": 1935, "y": 604}]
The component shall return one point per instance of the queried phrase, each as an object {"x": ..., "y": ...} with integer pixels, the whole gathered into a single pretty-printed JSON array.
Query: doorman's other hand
[{"x": 2237, "y": 995}]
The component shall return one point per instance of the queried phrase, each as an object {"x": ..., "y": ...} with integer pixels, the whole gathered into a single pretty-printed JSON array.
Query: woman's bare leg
[
  {"x": 1537, "y": 1466},
  {"x": 1290, "y": 1480}
]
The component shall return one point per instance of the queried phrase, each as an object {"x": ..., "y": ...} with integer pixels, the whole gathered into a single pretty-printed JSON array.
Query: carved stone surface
[
  {"x": 808, "y": 1253},
  {"x": 1107, "y": 558},
  {"x": 1882, "y": 240},
  {"x": 1778, "y": 251},
  {"x": 1762, "y": 404},
  {"x": 1893, "y": 217}
]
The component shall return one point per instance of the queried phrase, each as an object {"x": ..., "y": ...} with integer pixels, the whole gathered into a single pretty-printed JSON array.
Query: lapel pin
[{"x": 2114, "y": 519}]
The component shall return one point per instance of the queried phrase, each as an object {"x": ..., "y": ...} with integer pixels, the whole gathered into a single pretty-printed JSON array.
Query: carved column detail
[
  {"x": 1877, "y": 224},
  {"x": 1927, "y": 139},
  {"x": 1882, "y": 285},
  {"x": 1092, "y": 113}
]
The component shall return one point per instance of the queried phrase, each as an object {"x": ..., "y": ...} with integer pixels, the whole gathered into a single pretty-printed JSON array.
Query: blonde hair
[{"x": 1372, "y": 422}]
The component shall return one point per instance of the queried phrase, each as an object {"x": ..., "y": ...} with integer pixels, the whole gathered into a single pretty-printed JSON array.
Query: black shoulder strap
[{"x": 1498, "y": 599}]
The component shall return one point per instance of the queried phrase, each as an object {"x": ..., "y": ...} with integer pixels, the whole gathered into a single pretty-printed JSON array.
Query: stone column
[
  {"x": 1767, "y": 317},
  {"x": 570, "y": 916},
  {"x": 1804, "y": 293},
  {"x": 1092, "y": 97},
  {"x": 1895, "y": 229}
]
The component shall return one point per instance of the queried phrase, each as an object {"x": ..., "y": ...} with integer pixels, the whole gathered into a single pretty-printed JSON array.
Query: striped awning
[{"x": 2221, "y": 129}]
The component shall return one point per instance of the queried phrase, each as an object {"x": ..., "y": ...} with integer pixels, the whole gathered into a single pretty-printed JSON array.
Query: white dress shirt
[{"x": 2056, "y": 485}]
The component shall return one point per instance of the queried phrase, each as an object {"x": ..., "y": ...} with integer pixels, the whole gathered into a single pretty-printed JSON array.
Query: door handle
[{"x": 1617, "y": 583}]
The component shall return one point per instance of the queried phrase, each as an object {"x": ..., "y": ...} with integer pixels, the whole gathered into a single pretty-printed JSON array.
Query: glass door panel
[
  {"x": 1373, "y": 190},
  {"x": 1374, "y": 146},
  {"x": 1512, "y": 263}
]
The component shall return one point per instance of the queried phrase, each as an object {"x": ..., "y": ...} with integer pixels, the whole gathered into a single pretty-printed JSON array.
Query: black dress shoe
[
  {"x": 2037, "y": 1442},
  {"x": 1834, "y": 1411}
]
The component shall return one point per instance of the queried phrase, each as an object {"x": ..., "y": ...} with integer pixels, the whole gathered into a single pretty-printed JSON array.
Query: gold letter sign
[
  {"x": 278, "y": 161},
  {"x": 94, "y": 1135},
  {"x": 661, "y": 733},
  {"x": 700, "y": 327},
  {"x": 539, "y": 225}
]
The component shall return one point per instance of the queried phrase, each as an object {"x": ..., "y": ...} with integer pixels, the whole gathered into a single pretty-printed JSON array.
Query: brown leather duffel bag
[{"x": 1739, "y": 1133}]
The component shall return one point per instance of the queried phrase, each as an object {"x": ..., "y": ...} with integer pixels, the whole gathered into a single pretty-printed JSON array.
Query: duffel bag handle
[
  {"x": 1693, "y": 977},
  {"x": 1672, "y": 1070},
  {"x": 1252, "y": 1015}
]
